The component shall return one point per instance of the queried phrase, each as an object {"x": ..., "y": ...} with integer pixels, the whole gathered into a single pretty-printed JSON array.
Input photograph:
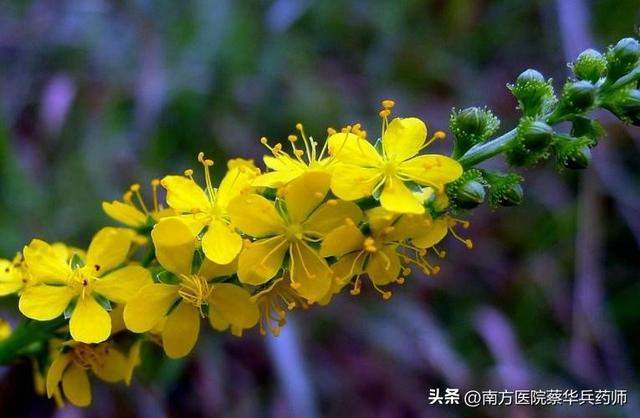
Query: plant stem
[
  {"x": 481, "y": 152},
  {"x": 26, "y": 334}
]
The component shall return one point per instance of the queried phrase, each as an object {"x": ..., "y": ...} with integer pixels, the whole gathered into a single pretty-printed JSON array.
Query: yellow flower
[
  {"x": 290, "y": 226},
  {"x": 192, "y": 297},
  {"x": 364, "y": 172},
  {"x": 274, "y": 302},
  {"x": 140, "y": 216},
  {"x": 60, "y": 283},
  {"x": 208, "y": 207},
  {"x": 288, "y": 167},
  {"x": 5, "y": 329},
  {"x": 72, "y": 362}
]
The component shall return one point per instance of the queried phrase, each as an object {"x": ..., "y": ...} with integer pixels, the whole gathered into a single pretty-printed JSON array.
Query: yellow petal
[
  {"x": 184, "y": 195},
  {"x": 54, "y": 375},
  {"x": 133, "y": 360},
  {"x": 231, "y": 305},
  {"x": 305, "y": 193},
  {"x": 342, "y": 240},
  {"x": 114, "y": 366},
  {"x": 10, "y": 278},
  {"x": 43, "y": 303},
  {"x": 149, "y": 306},
  {"x": 121, "y": 285},
  {"x": 261, "y": 260},
  {"x": 220, "y": 243},
  {"x": 255, "y": 215},
  {"x": 90, "y": 322},
  {"x": 233, "y": 183},
  {"x": 285, "y": 170},
  {"x": 352, "y": 149},
  {"x": 403, "y": 138},
  {"x": 396, "y": 197},
  {"x": 175, "y": 244},
  {"x": 351, "y": 182},
  {"x": 211, "y": 270},
  {"x": 430, "y": 236},
  {"x": 109, "y": 248},
  {"x": 44, "y": 264},
  {"x": 331, "y": 215},
  {"x": 124, "y": 213},
  {"x": 431, "y": 170},
  {"x": 310, "y": 272},
  {"x": 76, "y": 386},
  {"x": 346, "y": 267},
  {"x": 181, "y": 330},
  {"x": 383, "y": 266}
]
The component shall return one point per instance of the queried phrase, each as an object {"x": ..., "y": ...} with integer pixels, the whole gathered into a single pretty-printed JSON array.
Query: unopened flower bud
[
  {"x": 622, "y": 58},
  {"x": 504, "y": 188},
  {"x": 573, "y": 153},
  {"x": 469, "y": 195},
  {"x": 472, "y": 126},
  {"x": 537, "y": 136},
  {"x": 577, "y": 97},
  {"x": 534, "y": 93},
  {"x": 590, "y": 66},
  {"x": 626, "y": 107},
  {"x": 511, "y": 196}
]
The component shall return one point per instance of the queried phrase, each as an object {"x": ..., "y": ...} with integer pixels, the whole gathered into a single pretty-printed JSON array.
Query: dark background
[{"x": 96, "y": 95}]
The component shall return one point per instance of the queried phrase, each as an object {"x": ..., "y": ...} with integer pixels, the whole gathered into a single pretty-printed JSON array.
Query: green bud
[
  {"x": 535, "y": 95},
  {"x": 626, "y": 106},
  {"x": 537, "y": 136},
  {"x": 468, "y": 191},
  {"x": 622, "y": 58},
  {"x": 577, "y": 97},
  {"x": 504, "y": 188},
  {"x": 582, "y": 126},
  {"x": 590, "y": 66},
  {"x": 573, "y": 153},
  {"x": 471, "y": 126}
]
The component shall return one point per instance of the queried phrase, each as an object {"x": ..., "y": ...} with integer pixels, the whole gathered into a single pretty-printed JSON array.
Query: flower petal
[
  {"x": 331, "y": 215},
  {"x": 147, "y": 308},
  {"x": 44, "y": 263},
  {"x": 181, "y": 330},
  {"x": 346, "y": 267},
  {"x": 221, "y": 244},
  {"x": 342, "y": 240},
  {"x": 285, "y": 170},
  {"x": 305, "y": 193},
  {"x": 184, "y": 195},
  {"x": 384, "y": 266},
  {"x": 236, "y": 181},
  {"x": 403, "y": 138},
  {"x": 231, "y": 306},
  {"x": 431, "y": 170},
  {"x": 43, "y": 302},
  {"x": 261, "y": 260},
  {"x": 109, "y": 248},
  {"x": 396, "y": 197},
  {"x": 113, "y": 368},
  {"x": 352, "y": 149},
  {"x": 10, "y": 278},
  {"x": 124, "y": 213},
  {"x": 76, "y": 386},
  {"x": 175, "y": 244},
  {"x": 54, "y": 374},
  {"x": 211, "y": 270},
  {"x": 350, "y": 182},
  {"x": 431, "y": 235},
  {"x": 310, "y": 272},
  {"x": 90, "y": 322},
  {"x": 121, "y": 285},
  {"x": 255, "y": 215}
]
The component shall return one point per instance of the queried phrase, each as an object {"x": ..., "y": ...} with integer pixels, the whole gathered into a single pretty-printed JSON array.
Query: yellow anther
[
  {"x": 277, "y": 147},
  {"x": 295, "y": 285},
  {"x": 188, "y": 172},
  {"x": 400, "y": 280},
  {"x": 362, "y": 134},
  {"x": 299, "y": 152},
  {"x": 387, "y": 295},
  {"x": 208, "y": 162},
  {"x": 135, "y": 187},
  {"x": 406, "y": 271},
  {"x": 292, "y": 138},
  {"x": 155, "y": 182},
  {"x": 439, "y": 135},
  {"x": 299, "y": 126},
  {"x": 127, "y": 196},
  {"x": 332, "y": 202},
  {"x": 331, "y": 131},
  {"x": 388, "y": 104},
  {"x": 384, "y": 113},
  {"x": 264, "y": 140},
  {"x": 201, "y": 156}
]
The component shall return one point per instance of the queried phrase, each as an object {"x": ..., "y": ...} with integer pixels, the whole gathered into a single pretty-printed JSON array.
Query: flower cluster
[{"x": 239, "y": 254}]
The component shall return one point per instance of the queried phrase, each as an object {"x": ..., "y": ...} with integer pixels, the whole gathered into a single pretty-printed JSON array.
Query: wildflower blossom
[
  {"x": 274, "y": 302},
  {"x": 193, "y": 294},
  {"x": 364, "y": 171},
  {"x": 83, "y": 282},
  {"x": 208, "y": 207},
  {"x": 289, "y": 227},
  {"x": 133, "y": 212}
]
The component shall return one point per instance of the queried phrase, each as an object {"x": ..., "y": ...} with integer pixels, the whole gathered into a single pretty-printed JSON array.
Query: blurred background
[{"x": 96, "y": 95}]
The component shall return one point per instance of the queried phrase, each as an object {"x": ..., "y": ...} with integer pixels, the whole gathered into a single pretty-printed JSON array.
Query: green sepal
[
  {"x": 76, "y": 262},
  {"x": 102, "y": 301},
  {"x": 167, "y": 277}
]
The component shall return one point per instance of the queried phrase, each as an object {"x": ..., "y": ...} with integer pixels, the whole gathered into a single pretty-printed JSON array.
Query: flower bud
[
  {"x": 511, "y": 196},
  {"x": 504, "y": 189},
  {"x": 537, "y": 136},
  {"x": 590, "y": 66},
  {"x": 573, "y": 153},
  {"x": 471, "y": 126},
  {"x": 468, "y": 191},
  {"x": 534, "y": 137},
  {"x": 622, "y": 58},
  {"x": 626, "y": 107},
  {"x": 577, "y": 97},
  {"x": 534, "y": 94}
]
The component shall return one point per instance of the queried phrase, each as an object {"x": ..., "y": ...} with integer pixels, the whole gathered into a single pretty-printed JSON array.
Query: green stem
[
  {"x": 25, "y": 335},
  {"x": 481, "y": 152}
]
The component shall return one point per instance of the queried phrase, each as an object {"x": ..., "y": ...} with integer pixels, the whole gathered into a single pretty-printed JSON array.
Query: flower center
[
  {"x": 194, "y": 289},
  {"x": 389, "y": 168},
  {"x": 87, "y": 356},
  {"x": 294, "y": 232}
]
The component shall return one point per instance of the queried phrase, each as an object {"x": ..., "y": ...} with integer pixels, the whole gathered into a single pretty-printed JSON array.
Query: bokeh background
[{"x": 96, "y": 95}]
